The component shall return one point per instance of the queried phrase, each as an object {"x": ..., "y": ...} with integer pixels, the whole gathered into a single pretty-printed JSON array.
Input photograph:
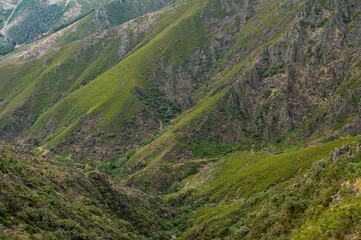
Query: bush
[
  {"x": 176, "y": 222},
  {"x": 292, "y": 205},
  {"x": 3, "y": 236},
  {"x": 164, "y": 167},
  {"x": 241, "y": 232},
  {"x": 223, "y": 232},
  {"x": 267, "y": 93},
  {"x": 3, "y": 210},
  {"x": 175, "y": 187},
  {"x": 30, "y": 147},
  {"x": 110, "y": 135},
  {"x": 275, "y": 217},
  {"x": 63, "y": 159},
  {"x": 48, "y": 189},
  {"x": 130, "y": 154},
  {"x": 318, "y": 168}
]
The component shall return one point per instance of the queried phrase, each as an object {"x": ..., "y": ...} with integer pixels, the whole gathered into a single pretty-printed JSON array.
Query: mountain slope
[
  {"x": 287, "y": 94},
  {"x": 44, "y": 198},
  {"x": 235, "y": 68},
  {"x": 50, "y": 199},
  {"x": 320, "y": 203},
  {"x": 215, "y": 119},
  {"x": 62, "y": 72},
  {"x": 33, "y": 19}
]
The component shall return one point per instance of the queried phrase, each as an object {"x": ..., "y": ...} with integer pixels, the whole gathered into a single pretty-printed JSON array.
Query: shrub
[
  {"x": 164, "y": 167},
  {"x": 175, "y": 187},
  {"x": 241, "y": 232},
  {"x": 30, "y": 147},
  {"x": 111, "y": 135},
  {"x": 223, "y": 232},
  {"x": 63, "y": 159},
  {"x": 48, "y": 189},
  {"x": 130, "y": 154},
  {"x": 176, "y": 222},
  {"x": 267, "y": 93},
  {"x": 292, "y": 205},
  {"x": 275, "y": 217},
  {"x": 318, "y": 168},
  {"x": 3, "y": 210}
]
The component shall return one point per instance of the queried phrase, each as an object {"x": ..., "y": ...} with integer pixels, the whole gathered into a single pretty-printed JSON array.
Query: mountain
[
  {"x": 226, "y": 72},
  {"x": 23, "y": 21},
  {"x": 243, "y": 115}
]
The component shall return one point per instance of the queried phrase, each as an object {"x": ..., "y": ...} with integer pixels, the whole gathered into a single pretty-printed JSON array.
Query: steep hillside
[
  {"x": 278, "y": 96},
  {"x": 27, "y": 20},
  {"x": 320, "y": 203},
  {"x": 46, "y": 199},
  {"x": 311, "y": 193},
  {"x": 227, "y": 63},
  {"x": 42, "y": 82}
]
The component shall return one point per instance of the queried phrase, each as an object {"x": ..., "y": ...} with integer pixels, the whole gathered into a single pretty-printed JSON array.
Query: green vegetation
[
  {"x": 65, "y": 160},
  {"x": 35, "y": 23},
  {"x": 6, "y": 48},
  {"x": 113, "y": 168},
  {"x": 56, "y": 201},
  {"x": 204, "y": 149},
  {"x": 299, "y": 207},
  {"x": 35, "y": 19},
  {"x": 233, "y": 175},
  {"x": 233, "y": 115}
]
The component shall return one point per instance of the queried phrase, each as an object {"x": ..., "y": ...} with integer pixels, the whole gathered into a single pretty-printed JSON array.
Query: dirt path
[
  {"x": 67, "y": 2},
  {"x": 195, "y": 160},
  {"x": 2, "y": 31},
  {"x": 44, "y": 151}
]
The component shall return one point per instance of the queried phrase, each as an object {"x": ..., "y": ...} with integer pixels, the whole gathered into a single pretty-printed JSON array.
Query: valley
[{"x": 203, "y": 119}]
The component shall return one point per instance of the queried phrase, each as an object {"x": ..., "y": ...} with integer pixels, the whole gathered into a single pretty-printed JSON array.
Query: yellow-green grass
[
  {"x": 241, "y": 174},
  {"x": 111, "y": 95}
]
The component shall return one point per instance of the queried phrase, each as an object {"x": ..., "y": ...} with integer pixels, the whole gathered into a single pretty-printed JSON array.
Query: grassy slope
[
  {"x": 241, "y": 174},
  {"x": 36, "y": 85},
  {"x": 255, "y": 192},
  {"x": 246, "y": 37},
  {"x": 165, "y": 40},
  {"x": 259, "y": 34},
  {"x": 112, "y": 94}
]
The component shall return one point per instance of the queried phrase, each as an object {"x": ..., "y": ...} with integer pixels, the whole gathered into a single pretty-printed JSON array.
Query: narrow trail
[
  {"x": 67, "y": 2},
  {"x": 2, "y": 31}
]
